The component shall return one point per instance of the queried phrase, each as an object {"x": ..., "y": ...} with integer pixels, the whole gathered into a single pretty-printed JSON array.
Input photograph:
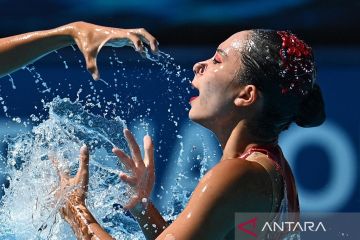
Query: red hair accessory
[
  {"x": 297, "y": 61},
  {"x": 292, "y": 46}
]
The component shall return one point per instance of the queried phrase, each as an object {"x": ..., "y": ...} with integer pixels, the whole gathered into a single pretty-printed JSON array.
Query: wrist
[
  {"x": 140, "y": 208},
  {"x": 81, "y": 220},
  {"x": 66, "y": 33},
  {"x": 75, "y": 29}
]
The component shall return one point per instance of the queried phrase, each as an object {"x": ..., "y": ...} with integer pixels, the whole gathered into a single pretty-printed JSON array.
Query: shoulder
[
  {"x": 233, "y": 185},
  {"x": 229, "y": 173},
  {"x": 238, "y": 167},
  {"x": 241, "y": 180}
]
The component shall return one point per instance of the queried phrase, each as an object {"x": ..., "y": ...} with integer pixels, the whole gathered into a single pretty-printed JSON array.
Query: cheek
[
  {"x": 218, "y": 69},
  {"x": 215, "y": 90},
  {"x": 215, "y": 86},
  {"x": 209, "y": 93},
  {"x": 214, "y": 98}
]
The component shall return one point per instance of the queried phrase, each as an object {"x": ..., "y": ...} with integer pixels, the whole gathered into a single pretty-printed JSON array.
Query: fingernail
[
  {"x": 95, "y": 76},
  {"x": 157, "y": 49}
]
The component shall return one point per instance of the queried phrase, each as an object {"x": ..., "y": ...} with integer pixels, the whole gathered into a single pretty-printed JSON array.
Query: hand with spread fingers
[
  {"x": 142, "y": 176},
  {"x": 91, "y": 38}
]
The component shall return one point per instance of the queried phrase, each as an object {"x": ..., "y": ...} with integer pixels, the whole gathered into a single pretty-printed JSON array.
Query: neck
[{"x": 234, "y": 141}]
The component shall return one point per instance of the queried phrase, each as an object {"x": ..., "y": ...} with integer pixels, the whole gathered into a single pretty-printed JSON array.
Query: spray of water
[{"x": 29, "y": 208}]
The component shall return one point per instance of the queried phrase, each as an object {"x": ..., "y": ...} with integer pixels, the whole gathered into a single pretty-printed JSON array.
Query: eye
[{"x": 216, "y": 59}]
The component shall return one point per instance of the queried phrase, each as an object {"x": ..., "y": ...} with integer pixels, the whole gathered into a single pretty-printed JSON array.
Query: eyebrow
[{"x": 222, "y": 52}]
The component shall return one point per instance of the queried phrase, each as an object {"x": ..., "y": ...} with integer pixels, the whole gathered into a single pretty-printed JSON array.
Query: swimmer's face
[{"x": 217, "y": 82}]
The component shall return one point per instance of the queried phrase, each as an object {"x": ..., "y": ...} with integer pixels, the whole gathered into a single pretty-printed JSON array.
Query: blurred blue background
[{"x": 325, "y": 159}]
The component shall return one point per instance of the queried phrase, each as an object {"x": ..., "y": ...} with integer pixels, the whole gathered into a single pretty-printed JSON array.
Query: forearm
[
  {"x": 84, "y": 224},
  {"x": 17, "y": 51},
  {"x": 150, "y": 221}
]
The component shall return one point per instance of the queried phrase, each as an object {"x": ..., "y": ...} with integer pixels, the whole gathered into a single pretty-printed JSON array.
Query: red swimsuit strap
[{"x": 275, "y": 154}]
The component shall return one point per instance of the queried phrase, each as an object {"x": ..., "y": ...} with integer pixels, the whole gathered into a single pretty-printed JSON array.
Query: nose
[{"x": 199, "y": 68}]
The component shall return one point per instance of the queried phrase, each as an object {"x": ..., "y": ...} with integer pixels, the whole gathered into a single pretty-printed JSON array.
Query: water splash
[{"x": 29, "y": 207}]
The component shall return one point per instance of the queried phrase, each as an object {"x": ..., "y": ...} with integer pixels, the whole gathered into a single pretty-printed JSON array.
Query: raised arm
[
  {"x": 73, "y": 191},
  {"x": 233, "y": 185},
  {"x": 80, "y": 218},
  {"x": 141, "y": 180},
  {"x": 20, "y": 50}
]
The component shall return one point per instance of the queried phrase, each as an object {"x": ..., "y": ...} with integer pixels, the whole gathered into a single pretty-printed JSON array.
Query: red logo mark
[{"x": 252, "y": 222}]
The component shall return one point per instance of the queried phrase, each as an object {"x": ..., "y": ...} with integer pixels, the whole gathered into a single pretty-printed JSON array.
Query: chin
[
  {"x": 195, "y": 114},
  {"x": 192, "y": 115},
  {"x": 197, "y": 118}
]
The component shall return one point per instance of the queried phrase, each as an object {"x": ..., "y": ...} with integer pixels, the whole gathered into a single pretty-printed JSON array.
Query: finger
[
  {"x": 90, "y": 55},
  {"x": 136, "y": 40},
  {"x": 148, "y": 38},
  {"x": 134, "y": 147},
  {"x": 128, "y": 179},
  {"x": 149, "y": 152},
  {"x": 84, "y": 159},
  {"x": 83, "y": 171},
  {"x": 91, "y": 65},
  {"x": 149, "y": 160},
  {"x": 124, "y": 158}
]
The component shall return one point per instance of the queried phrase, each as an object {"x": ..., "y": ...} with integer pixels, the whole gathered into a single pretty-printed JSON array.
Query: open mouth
[
  {"x": 192, "y": 99},
  {"x": 195, "y": 93}
]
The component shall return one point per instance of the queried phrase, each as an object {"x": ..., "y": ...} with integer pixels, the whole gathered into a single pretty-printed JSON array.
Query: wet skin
[
  {"x": 223, "y": 106},
  {"x": 88, "y": 37},
  {"x": 234, "y": 184}
]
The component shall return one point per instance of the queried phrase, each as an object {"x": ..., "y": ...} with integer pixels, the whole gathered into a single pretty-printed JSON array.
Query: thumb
[
  {"x": 91, "y": 65},
  {"x": 91, "y": 57},
  {"x": 83, "y": 171},
  {"x": 90, "y": 53},
  {"x": 149, "y": 152}
]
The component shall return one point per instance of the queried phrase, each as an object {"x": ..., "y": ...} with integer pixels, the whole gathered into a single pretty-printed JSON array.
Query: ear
[{"x": 247, "y": 95}]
